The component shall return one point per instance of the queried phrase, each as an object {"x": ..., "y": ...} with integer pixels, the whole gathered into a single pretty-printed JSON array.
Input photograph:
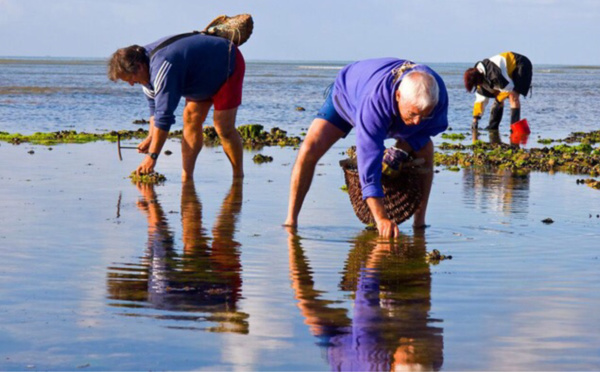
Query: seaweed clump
[
  {"x": 253, "y": 136},
  {"x": 595, "y": 184},
  {"x": 260, "y": 158},
  {"x": 454, "y": 136},
  {"x": 69, "y": 136},
  {"x": 581, "y": 158},
  {"x": 434, "y": 257},
  {"x": 153, "y": 178}
]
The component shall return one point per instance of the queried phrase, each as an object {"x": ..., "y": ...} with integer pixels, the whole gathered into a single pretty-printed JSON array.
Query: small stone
[
  {"x": 548, "y": 220},
  {"x": 168, "y": 152}
]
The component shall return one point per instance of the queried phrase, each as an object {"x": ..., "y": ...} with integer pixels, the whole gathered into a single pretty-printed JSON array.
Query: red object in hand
[{"x": 520, "y": 127}]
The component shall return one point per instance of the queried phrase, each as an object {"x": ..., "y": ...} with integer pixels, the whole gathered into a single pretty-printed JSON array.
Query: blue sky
[{"x": 548, "y": 31}]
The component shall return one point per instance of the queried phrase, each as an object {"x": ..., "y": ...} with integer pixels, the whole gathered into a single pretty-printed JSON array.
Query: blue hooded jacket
[{"x": 193, "y": 67}]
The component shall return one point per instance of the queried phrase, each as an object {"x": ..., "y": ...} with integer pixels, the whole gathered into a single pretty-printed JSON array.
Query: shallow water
[
  {"x": 98, "y": 274},
  {"x": 57, "y": 94}
]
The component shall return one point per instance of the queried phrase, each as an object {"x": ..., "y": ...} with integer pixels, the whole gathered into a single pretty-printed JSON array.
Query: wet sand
[{"x": 98, "y": 274}]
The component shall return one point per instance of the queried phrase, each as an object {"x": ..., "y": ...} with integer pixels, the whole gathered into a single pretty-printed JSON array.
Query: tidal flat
[{"x": 101, "y": 274}]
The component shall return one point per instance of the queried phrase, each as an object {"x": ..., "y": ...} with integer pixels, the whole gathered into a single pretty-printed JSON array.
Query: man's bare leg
[
  {"x": 320, "y": 137},
  {"x": 194, "y": 115},
  {"x": 231, "y": 139},
  {"x": 426, "y": 181}
]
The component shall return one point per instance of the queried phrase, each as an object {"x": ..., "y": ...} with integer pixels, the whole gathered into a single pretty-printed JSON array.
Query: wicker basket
[
  {"x": 402, "y": 193},
  {"x": 237, "y": 28}
]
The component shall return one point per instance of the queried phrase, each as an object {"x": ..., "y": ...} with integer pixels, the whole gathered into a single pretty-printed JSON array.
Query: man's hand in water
[
  {"x": 387, "y": 228},
  {"x": 146, "y": 166}
]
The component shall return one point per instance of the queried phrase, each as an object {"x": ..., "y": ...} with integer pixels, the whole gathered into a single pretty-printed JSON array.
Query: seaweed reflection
[
  {"x": 204, "y": 279},
  {"x": 390, "y": 329},
  {"x": 500, "y": 190}
]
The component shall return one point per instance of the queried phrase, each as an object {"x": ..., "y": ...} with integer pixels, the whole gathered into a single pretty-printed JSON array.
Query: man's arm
[
  {"x": 145, "y": 144},
  {"x": 371, "y": 131},
  {"x": 167, "y": 94},
  {"x": 159, "y": 138}
]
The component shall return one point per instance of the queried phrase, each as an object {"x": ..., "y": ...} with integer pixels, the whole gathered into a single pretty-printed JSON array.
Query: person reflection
[
  {"x": 500, "y": 190},
  {"x": 390, "y": 327},
  {"x": 204, "y": 278},
  {"x": 494, "y": 137},
  {"x": 516, "y": 139}
]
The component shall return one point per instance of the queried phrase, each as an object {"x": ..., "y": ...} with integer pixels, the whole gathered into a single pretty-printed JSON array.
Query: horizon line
[{"x": 251, "y": 60}]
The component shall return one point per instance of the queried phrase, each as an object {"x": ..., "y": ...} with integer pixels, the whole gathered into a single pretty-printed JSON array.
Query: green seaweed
[
  {"x": 573, "y": 158},
  {"x": 253, "y": 136},
  {"x": 150, "y": 178},
  {"x": 454, "y": 136},
  {"x": 250, "y": 131},
  {"x": 260, "y": 159}
]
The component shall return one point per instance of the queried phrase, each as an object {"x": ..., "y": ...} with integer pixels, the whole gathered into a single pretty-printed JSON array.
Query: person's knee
[
  {"x": 195, "y": 113},
  {"x": 307, "y": 156},
  {"x": 311, "y": 151},
  {"x": 224, "y": 121},
  {"x": 226, "y": 132},
  {"x": 514, "y": 99},
  {"x": 319, "y": 139}
]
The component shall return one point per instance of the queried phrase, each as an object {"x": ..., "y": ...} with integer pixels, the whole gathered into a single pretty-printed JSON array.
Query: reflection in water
[
  {"x": 519, "y": 138},
  {"x": 204, "y": 278},
  {"x": 500, "y": 190},
  {"x": 390, "y": 328},
  {"x": 516, "y": 138},
  {"x": 494, "y": 137}
]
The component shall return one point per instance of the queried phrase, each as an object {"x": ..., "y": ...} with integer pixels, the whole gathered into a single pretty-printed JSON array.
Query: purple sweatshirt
[
  {"x": 192, "y": 67},
  {"x": 364, "y": 94}
]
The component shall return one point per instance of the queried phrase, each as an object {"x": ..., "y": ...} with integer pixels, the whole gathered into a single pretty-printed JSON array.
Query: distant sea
[{"x": 52, "y": 94}]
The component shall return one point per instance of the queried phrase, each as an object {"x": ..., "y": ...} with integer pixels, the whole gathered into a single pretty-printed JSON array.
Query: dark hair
[
  {"x": 126, "y": 61},
  {"x": 472, "y": 78}
]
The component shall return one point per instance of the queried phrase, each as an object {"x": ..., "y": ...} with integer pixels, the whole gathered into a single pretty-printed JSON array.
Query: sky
[{"x": 547, "y": 31}]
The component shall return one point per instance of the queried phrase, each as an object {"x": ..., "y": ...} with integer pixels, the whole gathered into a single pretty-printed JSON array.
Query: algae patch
[
  {"x": 260, "y": 158},
  {"x": 434, "y": 257},
  {"x": 569, "y": 157},
  {"x": 153, "y": 178},
  {"x": 253, "y": 135}
]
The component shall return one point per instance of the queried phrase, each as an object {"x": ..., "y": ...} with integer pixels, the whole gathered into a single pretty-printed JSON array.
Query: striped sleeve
[{"x": 167, "y": 94}]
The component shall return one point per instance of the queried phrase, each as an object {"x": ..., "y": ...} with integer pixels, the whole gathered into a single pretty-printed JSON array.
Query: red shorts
[{"x": 229, "y": 96}]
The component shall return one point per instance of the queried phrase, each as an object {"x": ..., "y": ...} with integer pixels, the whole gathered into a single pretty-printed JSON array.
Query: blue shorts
[{"x": 328, "y": 112}]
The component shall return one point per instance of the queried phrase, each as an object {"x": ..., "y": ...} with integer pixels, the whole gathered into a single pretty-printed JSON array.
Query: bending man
[
  {"x": 506, "y": 75},
  {"x": 380, "y": 98},
  {"x": 206, "y": 70}
]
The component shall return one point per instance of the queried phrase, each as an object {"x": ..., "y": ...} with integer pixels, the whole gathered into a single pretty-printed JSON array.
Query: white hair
[{"x": 419, "y": 89}]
